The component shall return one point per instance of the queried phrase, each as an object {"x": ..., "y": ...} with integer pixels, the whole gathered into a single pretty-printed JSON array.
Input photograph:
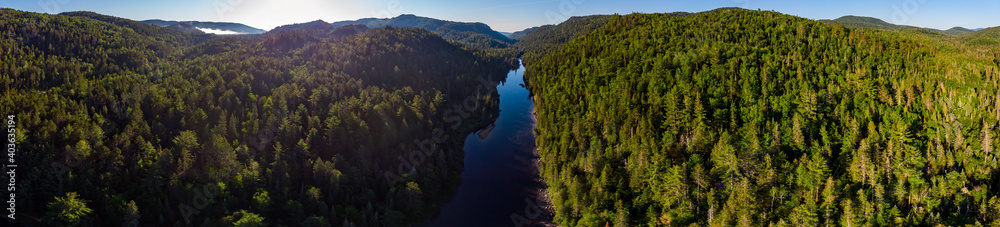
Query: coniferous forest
[
  {"x": 128, "y": 123},
  {"x": 751, "y": 118},
  {"x": 728, "y": 117}
]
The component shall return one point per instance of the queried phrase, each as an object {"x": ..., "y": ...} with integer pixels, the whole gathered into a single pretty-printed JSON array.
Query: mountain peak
[
  {"x": 312, "y": 25},
  {"x": 865, "y": 22},
  {"x": 959, "y": 28},
  {"x": 320, "y": 21}
]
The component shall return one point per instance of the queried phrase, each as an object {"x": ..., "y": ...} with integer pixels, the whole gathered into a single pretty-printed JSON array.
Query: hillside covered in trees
[
  {"x": 536, "y": 42},
  {"x": 754, "y": 118},
  {"x": 222, "y": 26},
  {"x": 485, "y": 39},
  {"x": 124, "y": 123}
]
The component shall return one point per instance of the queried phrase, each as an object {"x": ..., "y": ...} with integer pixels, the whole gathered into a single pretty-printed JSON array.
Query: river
[{"x": 500, "y": 183}]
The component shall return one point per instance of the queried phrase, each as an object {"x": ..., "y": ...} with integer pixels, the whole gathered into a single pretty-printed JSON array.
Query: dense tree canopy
[
  {"x": 131, "y": 124},
  {"x": 539, "y": 41},
  {"x": 740, "y": 117}
]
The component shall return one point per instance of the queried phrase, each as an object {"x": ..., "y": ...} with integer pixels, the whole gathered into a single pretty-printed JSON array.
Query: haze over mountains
[{"x": 222, "y": 28}]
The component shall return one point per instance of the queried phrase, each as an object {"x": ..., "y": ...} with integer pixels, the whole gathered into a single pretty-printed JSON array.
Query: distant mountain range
[
  {"x": 958, "y": 30},
  {"x": 985, "y": 37},
  {"x": 224, "y": 28},
  {"x": 863, "y": 22},
  {"x": 520, "y": 34},
  {"x": 460, "y": 31},
  {"x": 472, "y": 32},
  {"x": 871, "y": 22},
  {"x": 188, "y": 27}
]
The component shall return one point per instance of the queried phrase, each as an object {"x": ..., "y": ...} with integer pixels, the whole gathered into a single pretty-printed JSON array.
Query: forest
[
  {"x": 124, "y": 123},
  {"x": 757, "y": 118},
  {"x": 724, "y": 117}
]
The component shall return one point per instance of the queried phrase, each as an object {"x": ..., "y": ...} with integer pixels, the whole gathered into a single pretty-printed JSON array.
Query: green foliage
[
  {"x": 132, "y": 215},
  {"x": 261, "y": 199},
  {"x": 67, "y": 211},
  {"x": 539, "y": 41},
  {"x": 751, "y": 118},
  {"x": 314, "y": 221},
  {"x": 478, "y": 38},
  {"x": 246, "y": 219}
]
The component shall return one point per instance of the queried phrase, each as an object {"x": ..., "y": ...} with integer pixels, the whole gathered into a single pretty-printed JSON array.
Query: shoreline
[{"x": 542, "y": 195}]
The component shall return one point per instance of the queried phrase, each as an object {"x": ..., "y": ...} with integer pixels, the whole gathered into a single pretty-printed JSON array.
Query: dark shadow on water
[{"x": 500, "y": 179}]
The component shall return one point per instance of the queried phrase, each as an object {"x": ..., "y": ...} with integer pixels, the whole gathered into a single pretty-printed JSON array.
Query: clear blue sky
[{"x": 514, "y": 15}]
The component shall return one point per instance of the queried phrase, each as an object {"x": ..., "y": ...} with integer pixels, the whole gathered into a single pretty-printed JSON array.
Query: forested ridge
[
  {"x": 123, "y": 123},
  {"x": 751, "y": 118},
  {"x": 485, "y": 39},
  {"x": 536, "y": 42}
]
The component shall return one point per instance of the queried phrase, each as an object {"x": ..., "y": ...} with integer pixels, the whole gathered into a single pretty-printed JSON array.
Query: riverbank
[{"x": 501, "y": 185}]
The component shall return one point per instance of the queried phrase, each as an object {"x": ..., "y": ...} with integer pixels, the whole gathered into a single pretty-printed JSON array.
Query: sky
[{"x": 515, "y": 15}]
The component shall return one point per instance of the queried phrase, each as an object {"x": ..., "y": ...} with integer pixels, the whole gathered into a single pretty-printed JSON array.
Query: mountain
[
  {"x": 987, "y": 37},
  {"x": 348, "y": 30},
  {"x": 450, "y": 30},
  {"x": 958, "y": 31},
  {"x": 520, "y": 34},
  {"x": 210, "y": 27},
  {"x": 544, "y": 39},
  {"x": 316, "y": 26},
  {"x": 184, "y": 27},
  {"x": 863, "y": 22},
  {"x": 53, "y": 50},
  {"x": 875, "y": 23},
  {"x": 477, "y": 37},
  {"x": 148, "y": 31},
  {"x": 537, "y": 41},
  {"x": 363, "y": 21}
]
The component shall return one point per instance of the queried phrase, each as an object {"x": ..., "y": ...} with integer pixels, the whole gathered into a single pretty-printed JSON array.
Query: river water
[{"x": 500, "y": 183}]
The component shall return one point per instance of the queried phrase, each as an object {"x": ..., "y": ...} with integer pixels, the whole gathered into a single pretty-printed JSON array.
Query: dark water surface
[{"x": 500, "y": 180}]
